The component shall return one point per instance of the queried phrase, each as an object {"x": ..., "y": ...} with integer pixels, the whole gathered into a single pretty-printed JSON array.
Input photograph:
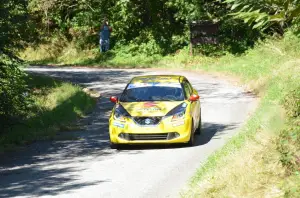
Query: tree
[
  {"x": 14, "y": 33},
  {"x": 264, "y": 14},
  {"x": 14, "y": 24}
]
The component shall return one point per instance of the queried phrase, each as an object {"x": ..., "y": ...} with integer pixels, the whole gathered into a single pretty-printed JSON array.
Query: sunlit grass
[
  {"x": 56, "y": 105},
  {"x": 250, "y": 164}
]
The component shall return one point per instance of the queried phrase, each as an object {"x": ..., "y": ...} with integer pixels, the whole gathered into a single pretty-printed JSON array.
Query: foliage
[
  {"x": 263, "y": 14},
  {"x": 162, "y": 24},
  {"x": 289, "y": 139},
  {"x": 199, "y": 10},
  {"x": 292, "y": 103},
  {"x": 15, "y": 31},
  {"x": 15, "y": 27},
  {"x": 55, "y": 105},
  {"x": 157, "y": 27},
  {"x": 80, "y": 21},
  {"x": 13, "y": 91}
]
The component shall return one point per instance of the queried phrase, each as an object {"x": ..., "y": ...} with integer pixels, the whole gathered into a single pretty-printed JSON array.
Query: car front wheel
[
  {"x": 192, "y": 137},
  {"x": 199, "y": 129},
  {"x": 114, "y": 146}
]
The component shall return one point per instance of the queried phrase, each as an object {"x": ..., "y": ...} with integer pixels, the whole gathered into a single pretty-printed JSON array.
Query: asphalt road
[{"x": 89, "y": 168}]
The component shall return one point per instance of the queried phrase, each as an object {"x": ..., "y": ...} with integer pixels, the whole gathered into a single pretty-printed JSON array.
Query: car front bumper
[{"x": 166, "y": 132}]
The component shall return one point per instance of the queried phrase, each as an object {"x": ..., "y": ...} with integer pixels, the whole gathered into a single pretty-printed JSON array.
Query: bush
[
  {"x": 292, "y": 103},
  {"x": 13, "y": 91},
  {"x": 289, "y": 138}
]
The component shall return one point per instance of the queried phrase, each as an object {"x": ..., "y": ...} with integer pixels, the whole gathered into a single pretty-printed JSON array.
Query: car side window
[
  {"x": 190, "y": 87},
  {"x": 187, "y": 89}
]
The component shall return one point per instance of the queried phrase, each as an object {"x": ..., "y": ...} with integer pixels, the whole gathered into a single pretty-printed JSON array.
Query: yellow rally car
[{"x": 155, "y": 109}]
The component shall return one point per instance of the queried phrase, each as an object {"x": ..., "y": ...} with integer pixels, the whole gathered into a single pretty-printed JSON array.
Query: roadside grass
[
  {"x": 252, "y": 171},
  {"x": 263, "y": 160},
  {"x": 93, "y": 58},
  {"x": 56, "y": 105}
]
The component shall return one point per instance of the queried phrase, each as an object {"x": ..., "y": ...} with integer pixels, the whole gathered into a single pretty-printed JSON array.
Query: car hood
[{"x": 149, "y": 108}]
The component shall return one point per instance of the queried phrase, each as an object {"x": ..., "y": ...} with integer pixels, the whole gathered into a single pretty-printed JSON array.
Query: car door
[{"x": 194, "y": 105}]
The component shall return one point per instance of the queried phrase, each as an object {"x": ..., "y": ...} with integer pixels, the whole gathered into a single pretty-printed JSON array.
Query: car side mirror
[
  {"x": 114, "y": 99},
  {"x": 194, "y": 97}
]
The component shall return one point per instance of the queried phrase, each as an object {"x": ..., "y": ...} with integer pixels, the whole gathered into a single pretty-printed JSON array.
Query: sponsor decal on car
[
  {"x": 153, "y": 84},
  {"x": 149, "y": 109},
  {"x": 155, "y": 79},
  {"x": 118, "y": 124},
  {"x": 149, "y": 106},
  {"x": 178, "y": 123}
]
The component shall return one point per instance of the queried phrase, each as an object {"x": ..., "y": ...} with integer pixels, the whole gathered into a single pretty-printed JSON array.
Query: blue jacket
[{"x": 105, "y": 33}]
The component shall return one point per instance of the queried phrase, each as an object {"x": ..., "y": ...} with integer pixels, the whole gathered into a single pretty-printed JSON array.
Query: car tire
[
  {"x": 114, "y": 146},
  {"x": 199, "y": 129},
  {"x": 192, "y": 137}
]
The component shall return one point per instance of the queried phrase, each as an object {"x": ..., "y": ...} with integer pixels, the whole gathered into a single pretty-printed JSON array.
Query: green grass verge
[
  {"x": 272, "y": 69},
  {"x": 56, "y": 105}
]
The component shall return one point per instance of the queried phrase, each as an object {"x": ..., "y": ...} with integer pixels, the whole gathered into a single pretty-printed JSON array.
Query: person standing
[{"x": 105, "y": 31}]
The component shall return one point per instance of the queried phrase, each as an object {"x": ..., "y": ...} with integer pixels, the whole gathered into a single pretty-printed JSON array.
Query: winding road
[{"x": 89, "y": 168}]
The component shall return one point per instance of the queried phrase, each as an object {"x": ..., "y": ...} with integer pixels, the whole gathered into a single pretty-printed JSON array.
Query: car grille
[
  {"x": 147, "y": 120},
  {"x": 149, "y": 136},
  {"x": 159, "y": 136}
]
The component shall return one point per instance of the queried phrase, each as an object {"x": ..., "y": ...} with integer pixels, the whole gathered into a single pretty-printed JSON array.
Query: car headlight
[
  {"x": 178, "y": 113},
  {"x": 120, "y": 113},
  {"x": 118, "y": 116},
  {"x": 178, "y": 116}
]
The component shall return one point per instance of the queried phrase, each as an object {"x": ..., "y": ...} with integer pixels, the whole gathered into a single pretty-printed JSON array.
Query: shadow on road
[
  {"x": 209, "y": 131},
  {"x": 51, "y": 167}
]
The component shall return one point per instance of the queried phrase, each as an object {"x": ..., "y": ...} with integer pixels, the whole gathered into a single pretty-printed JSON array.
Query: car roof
[{"x": 157, "y": 78}]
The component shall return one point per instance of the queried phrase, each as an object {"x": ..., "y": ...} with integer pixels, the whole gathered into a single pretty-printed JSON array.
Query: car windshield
[{"x": 152, "y": 93}]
